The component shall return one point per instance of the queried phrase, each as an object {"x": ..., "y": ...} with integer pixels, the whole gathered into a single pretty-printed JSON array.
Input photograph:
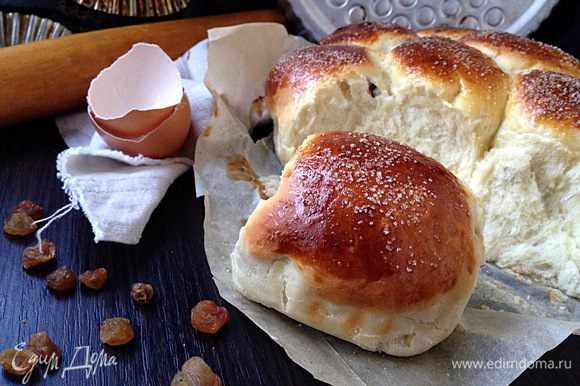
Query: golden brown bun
[
  {"x": 467, "y": 99},
  {"x": 371, "y": 231},
  {"x": 304, "y": 67},
  {"x": 304, "y": 78},
  {"x": 549, "y": 100},
  {"x": 515, "y": 53},
  {"x": 456, "y": 72}
]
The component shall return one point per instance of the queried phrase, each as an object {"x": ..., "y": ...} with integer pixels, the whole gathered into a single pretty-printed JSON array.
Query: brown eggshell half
[{"x": 161, "y": 142}]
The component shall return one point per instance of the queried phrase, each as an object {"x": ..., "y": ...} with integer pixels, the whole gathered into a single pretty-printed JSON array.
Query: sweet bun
[
  {"x": 437, "y": 95},
  {"x": 515, "y": 53},
  {"x": 451, "y": 97},
  {"x": 501, "y": 112},
  {"x": 529, "y": 183},
  {"x": 365, "y": 239},
  {"x": 307, "y": 79},
  {"x": 544, "y": 103}
]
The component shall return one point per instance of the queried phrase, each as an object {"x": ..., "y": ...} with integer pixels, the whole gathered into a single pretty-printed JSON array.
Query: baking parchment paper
[{"x": 497, "y": 345}]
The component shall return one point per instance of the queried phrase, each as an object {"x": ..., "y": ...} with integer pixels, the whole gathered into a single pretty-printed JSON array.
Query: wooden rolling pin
[{"x": 52, "y": 76}]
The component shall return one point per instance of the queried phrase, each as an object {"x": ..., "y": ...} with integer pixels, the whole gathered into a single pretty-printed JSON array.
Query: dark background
[{"x": 170, "y": 257}]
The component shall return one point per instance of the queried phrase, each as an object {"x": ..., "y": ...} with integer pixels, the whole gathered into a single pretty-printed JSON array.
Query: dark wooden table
[{"x": 171, "y": 258}]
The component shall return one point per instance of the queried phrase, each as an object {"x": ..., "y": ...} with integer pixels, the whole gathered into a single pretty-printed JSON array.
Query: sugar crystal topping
[
  {"x": 365, "y": 209},
  {"x": 300, "y": 68},
  {"x": 550, "y": 96}
]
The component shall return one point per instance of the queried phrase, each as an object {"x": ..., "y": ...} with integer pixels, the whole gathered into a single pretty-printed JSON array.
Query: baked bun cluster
[
  {"x": 500, "y": 111},
  {"x": 366, "y": 239},
  {"x": 372, "y": 241}
]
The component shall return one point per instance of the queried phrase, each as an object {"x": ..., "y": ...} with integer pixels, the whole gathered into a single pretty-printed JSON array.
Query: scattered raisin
[
  {"x": 142, "y": 293},
  {"x": 208, "y": 317},
  {"x": 31, "y": 208},
  {"x": 94, "y": 279},
  {"x": 195, "y": 372},
  {"x": 116, "y": 331},
  {"x": 18, "y": 362},
  {"x": 19, "y": 224},
  {"x": 41, "y": 344},
  {"x": 63, "y": 279},
  {"x": 31, "y": 257}
]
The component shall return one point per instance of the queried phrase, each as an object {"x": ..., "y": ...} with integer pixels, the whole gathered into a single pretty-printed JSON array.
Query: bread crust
[
  {"x": 301, "y": 68},
  {"x": 345, "y": 247},
  {"x": 516, "y": 53},
  {"x": 372, "y": 222},
  {"x": 367, "y": 240},
  {"x": 549, "y": 99},
  {"x": 445, "y": 61},
  {"x": 464, "y": 85}
]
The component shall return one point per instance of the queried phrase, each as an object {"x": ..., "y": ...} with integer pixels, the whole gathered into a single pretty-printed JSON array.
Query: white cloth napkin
[{"x": 117, "y": 192}]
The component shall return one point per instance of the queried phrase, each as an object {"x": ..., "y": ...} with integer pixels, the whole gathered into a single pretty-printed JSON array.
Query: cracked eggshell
[
  {"x": 137, "y": 104},
  {"x": 161, "y": 142}
]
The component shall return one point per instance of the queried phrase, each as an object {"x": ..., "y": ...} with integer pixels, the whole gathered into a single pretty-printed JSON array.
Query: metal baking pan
[{"x": 321, "y": 17}]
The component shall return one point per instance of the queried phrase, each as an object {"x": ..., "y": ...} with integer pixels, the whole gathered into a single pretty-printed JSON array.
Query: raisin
[
  {"x": 18, "y": 362},
  {"x": 19, "y": 224},
  {"x": 195, "y": 372},
  {"x": 208, "y": 317},
  {"x": 116, "y": 331},
  {"x": 63, "y": 279},
  {"x": 41, "y": 344},
  {"x": 94, "y": 279},
  {"x": 142, "y": 293},
  {"x": 31, "y": 257},
  {"x": 31, "y": 208}
]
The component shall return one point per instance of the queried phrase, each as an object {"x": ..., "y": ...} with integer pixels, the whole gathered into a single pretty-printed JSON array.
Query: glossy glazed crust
[
  {"x": 303, "y": 67},
  {"x": 523, "y": 53},
  {"x": 445, "y": 61},
  {"x": 370, "y": 222},
  {"x": 548, "y": 98},
  {"x": 366, "y": 34}
]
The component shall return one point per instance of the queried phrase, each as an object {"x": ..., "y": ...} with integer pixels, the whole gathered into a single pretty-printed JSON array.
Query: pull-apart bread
[
  {"x": 437, "y": 95},
  {"x": 529, "y": 183},
  {"x": 365, "y": 239},
  {"x": 444, "y": 91},
  {"x": 375, "y": 243}
]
